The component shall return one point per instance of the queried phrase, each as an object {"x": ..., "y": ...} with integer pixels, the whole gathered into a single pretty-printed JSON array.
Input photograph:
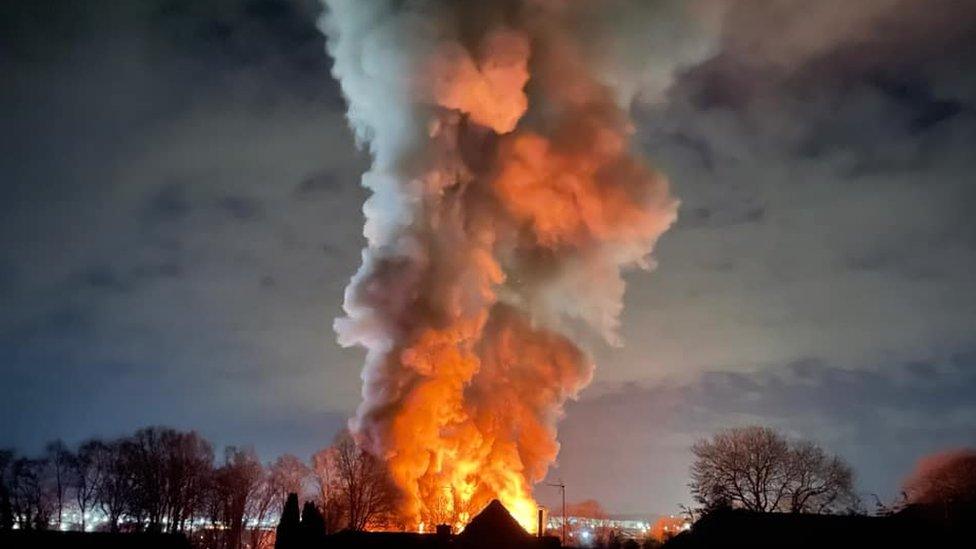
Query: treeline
[
  {"x": 759, "y": 469},
  {"x": 164, "y": 480}
]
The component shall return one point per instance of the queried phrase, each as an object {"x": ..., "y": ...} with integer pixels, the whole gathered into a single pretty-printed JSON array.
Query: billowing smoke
[{"x": 505, "y": 203}]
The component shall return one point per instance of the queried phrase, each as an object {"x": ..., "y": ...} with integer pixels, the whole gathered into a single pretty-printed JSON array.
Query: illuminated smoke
[{"x": 505, "y": 203}]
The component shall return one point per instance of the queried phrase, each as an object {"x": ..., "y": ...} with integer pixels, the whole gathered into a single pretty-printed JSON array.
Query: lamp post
[{"x": 562, "y": 489}]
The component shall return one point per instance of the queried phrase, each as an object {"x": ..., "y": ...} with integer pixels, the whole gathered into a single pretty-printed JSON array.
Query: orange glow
[{"x": 470, "y": 432}]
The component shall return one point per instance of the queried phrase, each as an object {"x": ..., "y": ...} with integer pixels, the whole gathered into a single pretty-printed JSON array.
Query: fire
[
  {"x": 505, "y": 203},
  {"x": 474, "y": 428}
]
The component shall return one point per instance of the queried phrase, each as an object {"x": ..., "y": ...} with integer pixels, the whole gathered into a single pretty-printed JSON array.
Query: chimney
[
  {"x": 540, "y": 531},
  {"x": 443, "y": 532}
]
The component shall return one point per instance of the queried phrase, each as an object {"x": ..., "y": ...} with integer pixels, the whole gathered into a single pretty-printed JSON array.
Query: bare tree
[
  {"x": 289, "y": 475},
  {"x": 143, "y": 455},
  {"x": 59, "y": 459},
  {"x": 236, "y": 483},
  {"x": 188, "y": 470},
  {"x": 758, "y": 469},
  {"x": 117, "y": 487},
  {"x": 361, "y": 482},
  {"x": 6, "y": 485},
  {"x": 171, "y": 471},
  {"x": 330, "y": 497},
  {"x": 744, "y": 467},
  {"x": 817, "y": 482},
  {"x": 448, "y": 507},
  {"x": 88, "y": 469},
  {"x": 261, "y": 509},
  {"x": 32, "y": 497}
]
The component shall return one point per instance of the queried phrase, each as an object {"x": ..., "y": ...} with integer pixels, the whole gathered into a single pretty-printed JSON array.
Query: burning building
[
  {"x": 492, "y": 528},
  {"x": 506, "y": 201}
]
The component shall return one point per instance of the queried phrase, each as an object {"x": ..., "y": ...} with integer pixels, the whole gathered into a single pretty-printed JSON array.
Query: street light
[{"x": 562, "y": 489}]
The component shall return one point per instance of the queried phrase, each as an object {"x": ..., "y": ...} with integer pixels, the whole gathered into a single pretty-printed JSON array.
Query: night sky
[{"x": 180, "y": 211}]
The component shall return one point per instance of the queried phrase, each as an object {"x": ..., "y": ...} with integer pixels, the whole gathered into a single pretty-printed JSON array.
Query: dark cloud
[
  {"x": 831, "y": 216},
  {"x": 168, "y": 203},
  {"x": 103, "y": 278},
  {"x": 317, "y": 183},
  {"x": 241, "y": 208},
  {"x": 109, "y": 279}
]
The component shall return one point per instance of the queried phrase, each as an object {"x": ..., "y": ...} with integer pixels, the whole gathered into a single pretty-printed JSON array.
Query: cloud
[
  {"x": 879, "y": 419},
  {"x": 819, "y": 218},
  {"x": 147, "y": 201},
  {"x": 639, "y": 46}
]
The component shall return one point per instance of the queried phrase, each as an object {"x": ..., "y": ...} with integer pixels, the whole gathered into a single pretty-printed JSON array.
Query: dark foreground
[
  {"x": 21, "y": 539},
  {"x": 913, "y": 527},
  {"x": 494, "y": 528}
]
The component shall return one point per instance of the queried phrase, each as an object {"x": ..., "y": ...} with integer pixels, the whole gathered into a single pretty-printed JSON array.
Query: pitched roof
[{"x": 494, "y": 526}]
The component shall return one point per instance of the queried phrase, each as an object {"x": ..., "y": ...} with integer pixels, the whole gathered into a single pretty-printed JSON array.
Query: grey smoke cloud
[{"x": 505, "y": 205}]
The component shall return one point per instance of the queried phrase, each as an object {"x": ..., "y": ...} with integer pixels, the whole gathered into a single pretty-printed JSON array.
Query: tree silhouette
[
  {"x": 235, "y": 484},
  {"x": 32, "y": 499},
  {"x": 117, "y": 486},
  {"x": 6, "y": 485},
  {"x": 312, "y": 528},
  {"x": 59, "y": 459},
  {"x": 758, "y": 469},
  {"x": 358, "y": 482},
  {"x": 287, "y": 532},
  {"x": 171, "y": 471},
  {"x": 88, "y": 469}
]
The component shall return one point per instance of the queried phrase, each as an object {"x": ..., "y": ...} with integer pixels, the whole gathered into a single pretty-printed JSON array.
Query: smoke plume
[{"x": 505, "y": 203}]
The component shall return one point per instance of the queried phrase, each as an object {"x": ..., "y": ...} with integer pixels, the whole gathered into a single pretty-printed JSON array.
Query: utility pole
[{"x": 562, "y": 488}]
